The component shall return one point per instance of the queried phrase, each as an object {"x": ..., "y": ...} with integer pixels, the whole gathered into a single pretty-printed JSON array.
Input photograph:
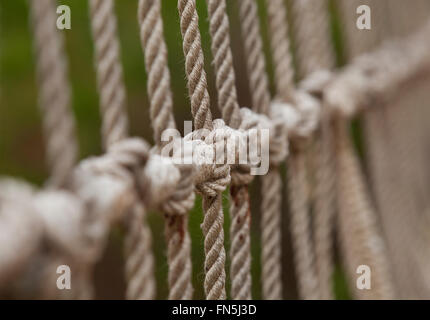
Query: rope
[
  {"x": 160, "y": 95},
  {"x": 212, "y": 226},
  {"x": 240, "y": 213},
  {"x": 353, "y": 202},
  {"x": 194, "y": 65},
  {"x": 384, "y": 152},
  {"x": 140, "y": 261},
  {"x": 360, "y": 241},
  {"x": 54, "y": 99},
  {"x": 280, "y": 45},
  {"x": 271, "y": 200},
  {"x": 315, "y": 53}
]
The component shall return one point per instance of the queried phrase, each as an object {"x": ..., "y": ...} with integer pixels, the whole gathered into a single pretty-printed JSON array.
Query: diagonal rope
[
  {"x": 54, "y": 99},
  {"x": 140, "y": 261},
  {"x": 160, "y": 95},
  {"x": 271, "y": 183}
]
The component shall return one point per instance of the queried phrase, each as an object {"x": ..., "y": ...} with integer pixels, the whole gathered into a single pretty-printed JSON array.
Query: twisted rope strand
[
  {"x": 352, "y": 197},
  {"x": 194, "y": 65},
  {"x": 223, "y": 61},
  {"x": 280, "y": 45},
  {"x": 300, "y": 223},
  {"x": 140, "y": 262},
  {"x": 240, "y": 250},
  {"x": 109, "y": 72},
  {"x": 155, "y": 50},
  {"x": 271, "y": 200},
  {"x": 361, "y": 242},
  {"x": 200, "y": 107},
  {"x": 54, "y": 100},
  {"x": 256, "y": 66},
  {"x": 160, "y": 95}
]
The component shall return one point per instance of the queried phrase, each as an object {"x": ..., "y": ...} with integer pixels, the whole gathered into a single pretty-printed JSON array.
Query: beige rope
[
  {"x": 240, "y": 251},
  {"x": 54, "y": 99},
  {"x": 109, "y": 72},
  {"x": 140, "y": 262},
  {"x": 280, "y": 45},
  {"x": 360, "y": 239},
  {"x": 315, "y": 53},
  {"x": 176, "y": 227},
  {"x": 392, "y": 178},
  {"x": 194, "y": 65},
  {"x": 271, "y": 199},
  {"x": 212, "y": 191}
]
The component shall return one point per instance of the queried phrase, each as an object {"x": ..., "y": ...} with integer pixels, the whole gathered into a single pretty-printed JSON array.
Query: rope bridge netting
[{"x": 341, "y": 204}]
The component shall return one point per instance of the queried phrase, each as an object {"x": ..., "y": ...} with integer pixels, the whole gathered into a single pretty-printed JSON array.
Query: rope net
[{"x": 334, "y": 203}]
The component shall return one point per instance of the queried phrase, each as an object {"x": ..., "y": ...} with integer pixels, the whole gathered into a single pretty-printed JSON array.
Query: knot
[
  {"x": 66, "y": 231},
  {"x": 162, "y": 178},
  {"x": 181, "y": 201},
  {"x": 209, "y": 157},
  {"x": 278, "y": 142},
  {"x": 316, "y": 82},
  {"x": 300, "y": 119}
]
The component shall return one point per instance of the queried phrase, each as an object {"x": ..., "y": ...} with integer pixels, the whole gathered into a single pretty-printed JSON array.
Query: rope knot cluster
[
  {"x": 278, "y": 142},
  {"x": 213, "y": 176}
]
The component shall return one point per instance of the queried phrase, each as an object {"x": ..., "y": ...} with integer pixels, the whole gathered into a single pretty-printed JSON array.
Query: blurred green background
[{"x": 21, "y": 141}]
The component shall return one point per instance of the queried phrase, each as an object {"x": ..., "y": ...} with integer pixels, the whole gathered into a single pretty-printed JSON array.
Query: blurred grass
[{"x": 21, "y": 142}]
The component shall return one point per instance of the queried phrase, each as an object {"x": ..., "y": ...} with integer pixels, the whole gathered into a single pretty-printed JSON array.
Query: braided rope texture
[
  {"x": 109, "y": 72},
  {"x": 160, "y": 95},
  {"x": 194, "y": 64},
  {"x": 256, "y": 66},
  {"x": 311, "y": 26},
  {"x": 240, "y": 213},
  {"x": 54, "y": 100},
  {"x": 271, "y": 200},
  {"x": 155, "y": 50},
  {"x": 212, "y": 226},
  {"x": 359, "y": 236},
  {"x": 280, "y": 45},
  {"x": 140, "y": 261}
]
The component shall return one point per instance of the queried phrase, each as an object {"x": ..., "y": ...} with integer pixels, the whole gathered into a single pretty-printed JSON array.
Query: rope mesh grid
[{"x": 121, "y": 185}]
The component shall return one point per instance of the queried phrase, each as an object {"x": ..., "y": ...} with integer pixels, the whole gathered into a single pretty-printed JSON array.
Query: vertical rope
[
  {"x": 360, "y": 241},
  {"x": 194, "y": 65},
  {"x": 160, "y": 95},
  {"x": 240, "y": 251},
  {"x": 353, "y": 202},
  {"x": 311, "y": 27},
  {"x": 155, "y": 50},
  {"x": 280, "y": 45},
  {"x": 272, "y": 185},
  {"x": 315, "y": 53},
  {"x": 140, "y": 261},
  {"x": 54, "y": 99},
  {"x": 256, "y": 66},
  {"x": 284, "y": 74},
  {"x": 55, "y": 104},
  {"x": 200, "y": 106},
  {"x": 109, "y": 72}
]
